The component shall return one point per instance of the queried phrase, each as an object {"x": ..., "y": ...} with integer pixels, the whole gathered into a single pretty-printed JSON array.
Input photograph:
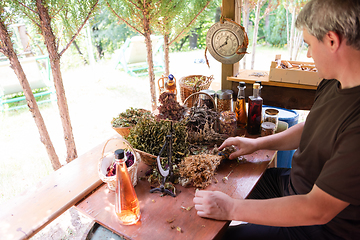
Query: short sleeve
[{"x": 340, "y": 176}]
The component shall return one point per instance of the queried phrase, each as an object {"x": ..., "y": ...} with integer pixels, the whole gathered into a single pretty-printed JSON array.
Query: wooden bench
[
  {"x": 37, "y": 70},
  {"x": 31, "y": 211}
]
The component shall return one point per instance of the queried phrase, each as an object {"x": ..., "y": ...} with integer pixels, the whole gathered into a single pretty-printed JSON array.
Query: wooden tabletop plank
[
  {"x": 251, "y": 76},
  {"x": 157, "y": 211},
  {"x": 32, "y": 210}
]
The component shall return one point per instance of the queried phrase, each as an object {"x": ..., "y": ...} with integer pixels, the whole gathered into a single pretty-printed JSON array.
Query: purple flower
[{"x": 130, "y": 159}]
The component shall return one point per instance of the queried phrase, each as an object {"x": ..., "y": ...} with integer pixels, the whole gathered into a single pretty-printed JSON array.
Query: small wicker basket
[
  {"x": 107, "y": 159},
  {"x": 147, "y": 158},
  {"x": 186, "y": 91},
  {"x": 123, "y": 131}
]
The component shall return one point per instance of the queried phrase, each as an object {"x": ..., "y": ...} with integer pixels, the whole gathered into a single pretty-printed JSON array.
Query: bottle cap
[
  {"x": 223, "y": 94},
  {"x": 256, "y": 86},
  {"x": 171, "y": 77},
  {"x": 119, "y": 154},
  {"x": 208, "y": 91}
]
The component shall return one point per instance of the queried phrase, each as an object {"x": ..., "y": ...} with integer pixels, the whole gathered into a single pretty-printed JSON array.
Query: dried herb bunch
[
  {"x": 149, "y": 135},
  {"x": 170, "y": 108},
  {"x": 203, "y": 127},
  {"x": 199, "y": 170},
  {"x": 129, "y": 118}
]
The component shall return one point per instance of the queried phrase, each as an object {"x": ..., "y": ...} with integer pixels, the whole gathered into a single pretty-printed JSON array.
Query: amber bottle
[
  {"x": 127, "y": 206},
  {"x": 170, "y": 84},
  {"x": 240, "y": 106}
]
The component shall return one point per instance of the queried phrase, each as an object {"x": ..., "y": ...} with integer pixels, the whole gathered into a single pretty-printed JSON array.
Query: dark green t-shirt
[{"x": 329, "y": 153}]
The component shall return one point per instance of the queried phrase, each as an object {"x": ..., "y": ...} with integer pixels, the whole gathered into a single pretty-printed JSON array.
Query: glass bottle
[
  {"x": 261, "y": 86},
  {"x": 240, "y": 106},
  {"x": 255, "y": 111},
  {"x": 170, "y": 84},
  {"x": 127, "y": 206}
]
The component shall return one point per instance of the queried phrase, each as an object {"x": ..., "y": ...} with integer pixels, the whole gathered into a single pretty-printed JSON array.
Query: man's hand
[
  {"x": 243, "y": 145},
  {"x": 213, "y": 204}
]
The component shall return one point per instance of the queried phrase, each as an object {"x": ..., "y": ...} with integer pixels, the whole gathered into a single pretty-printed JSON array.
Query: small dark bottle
[
  {"x": 255, "y": 111},
  {"x": 240, "y": 106}
]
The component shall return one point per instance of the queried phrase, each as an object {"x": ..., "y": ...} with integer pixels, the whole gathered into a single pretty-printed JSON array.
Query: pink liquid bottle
[{"x": 127, "y": 205}]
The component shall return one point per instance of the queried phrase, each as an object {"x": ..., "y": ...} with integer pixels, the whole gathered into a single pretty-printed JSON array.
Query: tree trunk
[
  {"x": 298, "y": 41},
  {"x": 246, "y": 24},
  {"x": 150, "y": 61},
  {"x": 256, "y": 27},
  {"x": 166, "y": 54},
  {"x": 292, "y": 31},
  {"x": 287, "y": 21},
  {"x": 79, "y": 51},
  {"x": 33, "y": 107},
  {"x": 49, "y": 38}
]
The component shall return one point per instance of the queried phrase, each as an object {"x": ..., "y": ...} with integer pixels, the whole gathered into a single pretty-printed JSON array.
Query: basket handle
[
  {"x": 122, "y": 139},
  {"x": 196, "y": 93}
]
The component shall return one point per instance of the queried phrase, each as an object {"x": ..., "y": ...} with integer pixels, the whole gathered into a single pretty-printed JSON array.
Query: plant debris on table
[
  {"x": 199, "y": 170},
  {"x": 129, "y": 118}
]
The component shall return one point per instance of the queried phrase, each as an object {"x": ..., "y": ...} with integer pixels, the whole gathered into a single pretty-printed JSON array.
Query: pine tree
[
  {"x": 59, "y": 22},
  {"x": 6, "y": 48}
]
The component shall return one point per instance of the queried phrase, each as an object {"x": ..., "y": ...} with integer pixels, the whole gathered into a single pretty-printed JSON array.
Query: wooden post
[{"x": 227, "y": 70}]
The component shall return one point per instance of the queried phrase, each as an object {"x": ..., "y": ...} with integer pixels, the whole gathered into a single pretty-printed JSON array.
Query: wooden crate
[{"x": 294, "y": 75}]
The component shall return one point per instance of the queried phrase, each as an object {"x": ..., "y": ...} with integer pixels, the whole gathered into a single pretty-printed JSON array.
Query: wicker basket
[
  {"x": 147, "y": 158},
  {"x": 123, "y": 131},
  {"x": 186, "y": 91},
  {"x": 193, "y": 95},
  {"x": 107, "y": 159}
]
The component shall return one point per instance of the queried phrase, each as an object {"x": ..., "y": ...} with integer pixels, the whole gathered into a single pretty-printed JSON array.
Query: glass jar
[
  {"x": 205, "y": 100},
  {"x": 272, "y": 115},
  {"x": 228, "y": 124},
  {"x": 223, "y": 100},
  {"x": 267, "y": 128}
]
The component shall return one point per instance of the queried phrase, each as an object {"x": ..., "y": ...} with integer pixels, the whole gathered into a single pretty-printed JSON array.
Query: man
[{"x": 319, "y": 198}]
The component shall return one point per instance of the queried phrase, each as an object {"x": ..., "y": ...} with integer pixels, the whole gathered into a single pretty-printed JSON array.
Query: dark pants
[{"x": 274, "y": 183}]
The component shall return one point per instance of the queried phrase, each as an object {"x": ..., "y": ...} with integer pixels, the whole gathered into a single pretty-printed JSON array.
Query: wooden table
[
  {"x": 277, "y": 94},
  {"x": 161, "y": 216}
]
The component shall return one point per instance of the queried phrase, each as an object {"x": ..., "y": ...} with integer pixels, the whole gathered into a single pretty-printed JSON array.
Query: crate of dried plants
[{"x": 191, "y": 84}]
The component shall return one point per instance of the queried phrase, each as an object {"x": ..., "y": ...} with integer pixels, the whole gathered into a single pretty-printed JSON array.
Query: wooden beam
[{"x": 228, "y": 11}]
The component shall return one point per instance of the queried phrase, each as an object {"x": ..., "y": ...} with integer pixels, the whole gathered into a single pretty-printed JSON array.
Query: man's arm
[
  {"x": 286, "y": 140},
  {"x": 315, "y": 208}
]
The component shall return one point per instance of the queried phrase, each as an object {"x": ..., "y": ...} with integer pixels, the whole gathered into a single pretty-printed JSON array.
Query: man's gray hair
[{"x": 319, "y": 17}]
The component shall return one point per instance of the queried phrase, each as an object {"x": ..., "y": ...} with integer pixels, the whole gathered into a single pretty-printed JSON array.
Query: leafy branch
[{"x": 79, "y": 29}]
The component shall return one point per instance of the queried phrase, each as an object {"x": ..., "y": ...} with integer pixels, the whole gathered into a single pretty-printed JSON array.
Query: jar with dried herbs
[
  {"x": 208, "y": 99},
  {"x": 223, "y": 100},
  {"x": 228, "y": 123}
]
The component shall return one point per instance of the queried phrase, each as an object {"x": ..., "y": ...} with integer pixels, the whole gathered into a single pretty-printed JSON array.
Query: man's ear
[{"x": 332, "y": 40}]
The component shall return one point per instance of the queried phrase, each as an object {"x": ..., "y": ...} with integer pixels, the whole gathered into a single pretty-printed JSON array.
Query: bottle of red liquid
[
  {"x": 127, "y": 206},
  {"x": 255, "y": 111}
]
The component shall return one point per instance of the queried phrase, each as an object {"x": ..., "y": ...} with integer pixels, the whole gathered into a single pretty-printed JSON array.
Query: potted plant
[{"x": 127, "y": 119}]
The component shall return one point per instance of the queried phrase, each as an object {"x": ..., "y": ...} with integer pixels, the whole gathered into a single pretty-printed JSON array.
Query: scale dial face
[{"x": 222, "y": 41}]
